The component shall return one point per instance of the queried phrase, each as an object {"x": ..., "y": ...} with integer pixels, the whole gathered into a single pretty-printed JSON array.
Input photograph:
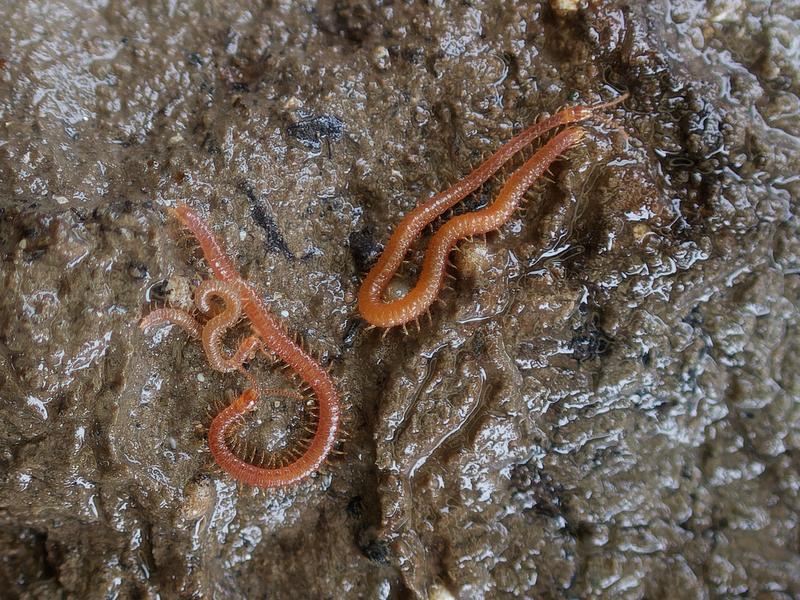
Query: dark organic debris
[
  {"x": 275, "y": 240},
  {"x": 589, "y": 341},
  {"x": 375, "y": 549},
  {"x": 355, "y": 508},
  {"x": 536, "y": 490},
  {"x": 364, "y": 248},
  {"x": 312, "y": 130},
  {"x": 351, "y": 329}
]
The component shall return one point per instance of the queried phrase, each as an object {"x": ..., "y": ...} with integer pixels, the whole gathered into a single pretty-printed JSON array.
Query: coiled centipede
[{"x": 268, "y": 335}]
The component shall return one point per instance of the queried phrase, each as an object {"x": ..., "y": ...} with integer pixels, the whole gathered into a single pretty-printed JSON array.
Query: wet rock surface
[{"x": 605, "y": 405}]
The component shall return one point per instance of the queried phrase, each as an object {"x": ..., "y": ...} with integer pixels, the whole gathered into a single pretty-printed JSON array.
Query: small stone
[
  {"x": 292, "y": 103},
  {"x": 137, "y": 270},
  {"x": 60, "y": 199},
  {"x": 564, "y": 7},
  {"x": 179, "y": 292},
  {"x": 381, "y": 58},
  {"x": 198, "y": 499},
  {"x": 474, "y": 259},
  {"x": 396, "y": 289},
  {"x": 201, "y": 378}
]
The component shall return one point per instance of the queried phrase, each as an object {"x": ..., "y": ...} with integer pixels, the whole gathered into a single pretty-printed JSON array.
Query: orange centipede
[
  {"x": 417, "y": 301},
  {"x": 241, "y": 463},
  {"x": 172, "y": 316},
  {"x": 212, "y": 333},
  {"x": 267, "y": 327}
]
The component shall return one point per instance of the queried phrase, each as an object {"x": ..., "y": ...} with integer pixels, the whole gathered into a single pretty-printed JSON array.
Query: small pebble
[
  {"x": 474, "y": 259},
  {"x": 292, "y": 103},
  {"x": 563, "y": 7},
  {"x": 137, "y": 271},
  {"x": 380, "y": 56},
  {"x": 179, "y": 292},
  {"x": 199, "y": 497},
  {"x": 397, "y": 288}
]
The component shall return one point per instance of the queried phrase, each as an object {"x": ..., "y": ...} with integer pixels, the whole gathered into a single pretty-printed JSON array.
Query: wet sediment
[{"x": 605, "y": 405}]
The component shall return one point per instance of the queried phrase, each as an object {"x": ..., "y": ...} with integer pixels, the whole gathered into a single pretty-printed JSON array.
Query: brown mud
[{"x": 605, "y": 406}]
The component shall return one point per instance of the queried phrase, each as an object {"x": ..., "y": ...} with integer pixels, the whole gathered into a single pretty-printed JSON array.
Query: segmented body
[
  {"x": 242, "y": 462},
  {"x": 217, "y": 325},
  {"x": 172, "y": 316},
  {"x": 210, "y": 333},
  {"x": 418, "y": 300},
  {"x": 270, "y": 332}
]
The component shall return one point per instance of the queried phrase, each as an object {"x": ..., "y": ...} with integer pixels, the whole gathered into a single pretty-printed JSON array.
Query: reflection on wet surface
[{"x": 605, "y": 404}]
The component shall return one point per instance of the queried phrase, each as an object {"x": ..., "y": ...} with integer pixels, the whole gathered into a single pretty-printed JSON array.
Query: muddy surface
[{"x": 606, "y": 405}]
